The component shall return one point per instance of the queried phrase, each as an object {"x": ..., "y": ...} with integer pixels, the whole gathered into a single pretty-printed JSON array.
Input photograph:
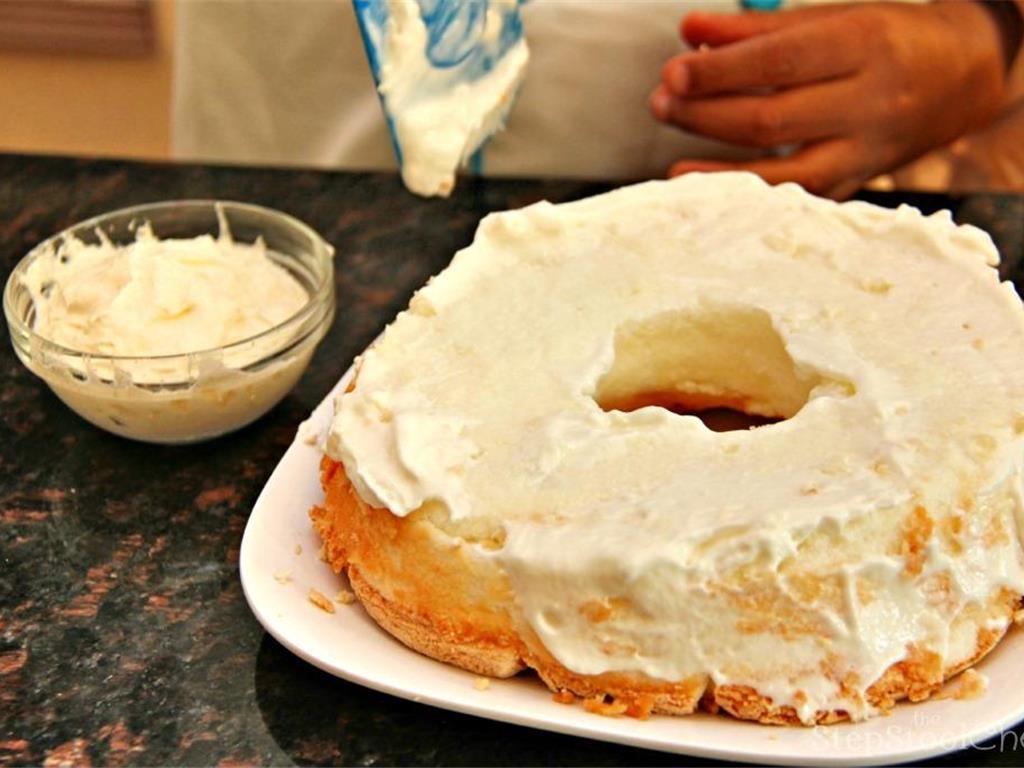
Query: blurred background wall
[
  {"x": 289, "y": 85},
  {"x": 72, "y": 69}
]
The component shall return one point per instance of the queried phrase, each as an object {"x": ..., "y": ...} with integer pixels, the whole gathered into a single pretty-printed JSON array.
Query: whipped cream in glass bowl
[{"x": 173, "y": 322}]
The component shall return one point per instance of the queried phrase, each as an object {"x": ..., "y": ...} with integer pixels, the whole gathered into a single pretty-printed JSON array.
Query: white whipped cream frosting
[
  {"x": 147, "y": 323},
  {"x": 159, "y": 297},
  {"x": 480, "y": 398},
  {"x": 439, "y": 120}
]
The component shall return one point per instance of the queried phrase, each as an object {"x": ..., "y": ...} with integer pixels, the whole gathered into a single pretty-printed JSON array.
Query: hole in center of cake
[
  {"x": 727, "y": 365},
  {"x": 717, "y": 418}
]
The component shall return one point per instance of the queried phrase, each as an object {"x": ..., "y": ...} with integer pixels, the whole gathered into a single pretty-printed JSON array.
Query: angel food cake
[{"x": 516, "y": 479}]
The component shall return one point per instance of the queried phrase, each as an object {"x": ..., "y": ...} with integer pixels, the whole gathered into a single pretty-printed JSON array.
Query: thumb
[{"x": 831, "y": 168}]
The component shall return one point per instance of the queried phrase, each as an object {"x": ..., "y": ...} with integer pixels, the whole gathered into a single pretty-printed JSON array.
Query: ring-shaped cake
[{"x": 517, "y": 477}]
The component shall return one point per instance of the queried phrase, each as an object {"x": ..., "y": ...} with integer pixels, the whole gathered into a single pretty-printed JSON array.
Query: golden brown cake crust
[{"x": 457, "y": 609}]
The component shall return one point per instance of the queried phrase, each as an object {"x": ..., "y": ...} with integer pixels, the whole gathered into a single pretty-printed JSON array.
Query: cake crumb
[
  {"x": 298, "y": 549},
  {"x": 563, "y": 697},
  {"x": 973, "y": 685},
  {"x": 344, "y": 597},
  {"x": 482, "y": 683},
  {"x": 970, "y": 685},
  {"x": 1018, "y": 617},
  {"x": 322, "y": 554},
  {"x": 283, "y": 577},
  {"x": 600, "y": 705},
  {"x": 308, "y": 433},
  {"x": 641, "y": 707},
  {"x": 318, "y": 599},
  {"x": 876, "y": 285}
]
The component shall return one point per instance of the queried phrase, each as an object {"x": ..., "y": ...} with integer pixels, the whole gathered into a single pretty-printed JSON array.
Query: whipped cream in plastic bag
[{"x": 447, "y": 72}]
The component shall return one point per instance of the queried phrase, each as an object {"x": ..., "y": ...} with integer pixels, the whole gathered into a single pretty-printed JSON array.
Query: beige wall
[{"x": 90, "y": 104}]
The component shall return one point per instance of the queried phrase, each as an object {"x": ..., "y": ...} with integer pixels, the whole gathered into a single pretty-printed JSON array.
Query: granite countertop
[{"x": 124, "y": 635}]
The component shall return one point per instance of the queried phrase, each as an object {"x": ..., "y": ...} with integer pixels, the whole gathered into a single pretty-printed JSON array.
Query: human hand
[{"x": 860, "y": 88}]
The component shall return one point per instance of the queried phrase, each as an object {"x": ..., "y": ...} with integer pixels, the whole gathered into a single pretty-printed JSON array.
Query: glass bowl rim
[{"x": 322, "y": 293}]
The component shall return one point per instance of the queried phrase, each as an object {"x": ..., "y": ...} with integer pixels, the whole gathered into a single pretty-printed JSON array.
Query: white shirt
[{"x": 287, "y": 82}]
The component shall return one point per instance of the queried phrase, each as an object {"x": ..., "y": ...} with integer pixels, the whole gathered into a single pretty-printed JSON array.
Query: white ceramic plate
[{"x": 280, "y": 541}]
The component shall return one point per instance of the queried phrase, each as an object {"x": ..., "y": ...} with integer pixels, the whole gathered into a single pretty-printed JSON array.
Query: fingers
[
  {"x": 714, "y": 29},
  {"x": 813, "y": 112},
  {"x": 718, "y": 92},
  {"x": 829, "y": 168},
  {"x": 792, "y": 55}
]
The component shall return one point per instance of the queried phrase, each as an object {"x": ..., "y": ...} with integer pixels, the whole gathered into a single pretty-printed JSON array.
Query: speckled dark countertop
[{"x": 124, "y": 635}]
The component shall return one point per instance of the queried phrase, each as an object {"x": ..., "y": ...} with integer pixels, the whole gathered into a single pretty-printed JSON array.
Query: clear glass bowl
[{"x": 202, "y": 394}]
